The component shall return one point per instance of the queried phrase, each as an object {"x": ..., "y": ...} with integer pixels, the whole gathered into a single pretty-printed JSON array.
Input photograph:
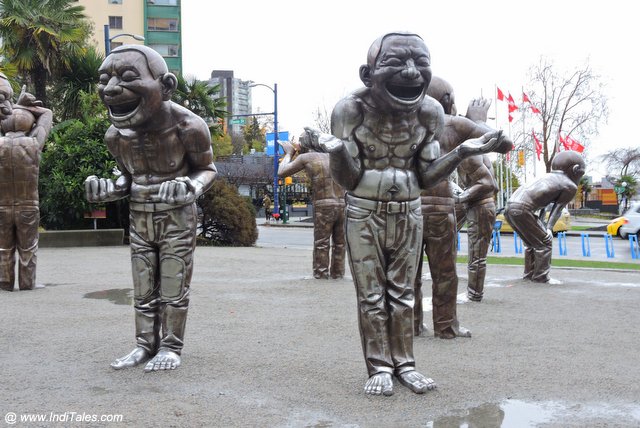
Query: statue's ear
[
  {"x": 365, "y": 75},
  {"x": 169, "y": 85}
]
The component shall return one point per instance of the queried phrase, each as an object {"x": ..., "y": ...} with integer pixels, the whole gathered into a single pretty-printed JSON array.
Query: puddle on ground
[
  {"x": 516, "y": 413},
  {"x": 118, "y": 296}
]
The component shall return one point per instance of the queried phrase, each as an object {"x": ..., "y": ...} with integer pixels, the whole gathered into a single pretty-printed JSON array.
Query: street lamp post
[
  {"x": 107, "y": 39},
  {"x": 275, "y": 147}
]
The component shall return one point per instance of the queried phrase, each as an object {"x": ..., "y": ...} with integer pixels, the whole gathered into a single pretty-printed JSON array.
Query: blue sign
[{"x": 282, "y": 136}]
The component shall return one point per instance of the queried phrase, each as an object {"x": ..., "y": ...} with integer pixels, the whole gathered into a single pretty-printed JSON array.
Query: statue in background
[
  {"x": 328, "y": 207},
  {"x": 438, "y": 210},
  {"x": 526, "y": 211},
  {"x": 475, "y": 205},
  {"x": 383, "y": 151},
  {"x": 24, "y": 129},
  {"x": 164, "y": 153}
]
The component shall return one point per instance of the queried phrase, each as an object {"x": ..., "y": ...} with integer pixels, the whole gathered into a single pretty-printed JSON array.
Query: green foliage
[
  {"x": 38, "y": 36},
  {"x": 79, "y": 79},
  {"x": 198, "y": 96},
  {"x": 222, "y": 145},
  {"x": 227, "y": 219},
  {"x": 74, "y": 151},
  {"x": 254, "y": 137}
]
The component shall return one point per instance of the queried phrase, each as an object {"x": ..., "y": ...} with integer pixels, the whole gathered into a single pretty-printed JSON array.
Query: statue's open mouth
[
  {"x": 124, "y": 110},
  {"x": 404, "y": 92}
]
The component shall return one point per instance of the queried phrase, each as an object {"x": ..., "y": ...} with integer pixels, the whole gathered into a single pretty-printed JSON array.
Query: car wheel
[{"x": 621, "y": 234}]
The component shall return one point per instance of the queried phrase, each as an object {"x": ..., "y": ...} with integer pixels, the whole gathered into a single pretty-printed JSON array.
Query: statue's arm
[
  {"x": 482, "y": 182},
  {"x": 289, "y": 166},
  {"x": 100, "y": 190},
  {"x": 197, "y": 139}
]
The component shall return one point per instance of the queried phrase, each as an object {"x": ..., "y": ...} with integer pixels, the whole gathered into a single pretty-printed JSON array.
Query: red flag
[
  {"x": 500, "y": 94},
  {"x": 525, "y": 99},
  {"x": 512, "y": 104},
  {"x": 538, "y": 144},
  {"x": 510, "y": 117},
  {"x": 563, "y": 142},
  {"x": 573, "y": 144}
]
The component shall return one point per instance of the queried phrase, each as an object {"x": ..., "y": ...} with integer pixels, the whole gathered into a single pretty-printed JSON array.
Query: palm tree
[
  {"x": 79, "y": 78},
  {"x": 198, "y": 96},
  {"x": 38, "y": 37}
]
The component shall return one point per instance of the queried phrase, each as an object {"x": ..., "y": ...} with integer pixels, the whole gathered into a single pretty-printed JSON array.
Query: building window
[
  {"x": 166, "y": 50},
  {"x": 114, "y": 45},
  {"x": 115, "y": 22},
  {"x": 163, "y": 2},
  {"x": 162, "y": 24},
  {"x": 115, "y": 1}
]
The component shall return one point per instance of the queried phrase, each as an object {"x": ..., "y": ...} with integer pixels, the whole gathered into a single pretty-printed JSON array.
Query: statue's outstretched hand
[
  {"x": 287, "y": 147},
  {"x": 492, "y": 141},
  {"x": 478, "y": 109},
  {"x": 99, "y": 189},
  {"x": 179, "y": 191}
]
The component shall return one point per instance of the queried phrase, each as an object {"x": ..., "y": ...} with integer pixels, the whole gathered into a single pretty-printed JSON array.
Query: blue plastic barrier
[
  {"x": 458, "y": 242},
  {"x": 586, "y": 245},
  {"x": 562, "y": 243},
  {"x": 517, "y": 243},
  {"x": 608, "y": 245},
  {"x": 633, "y": 242},
  {"x": 495, "y": 240}
]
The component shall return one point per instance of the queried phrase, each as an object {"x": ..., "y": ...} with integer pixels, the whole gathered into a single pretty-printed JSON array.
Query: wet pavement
[{"x": 267, "y": 345}]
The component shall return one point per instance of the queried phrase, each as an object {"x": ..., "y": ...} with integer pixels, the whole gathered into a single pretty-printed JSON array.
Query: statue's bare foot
[
  {"x": 133, "y": 358},
  {"x": 164, "y": 360},
  {"x": 379, "y": 383},
  {"x": 416, "y": 382}
]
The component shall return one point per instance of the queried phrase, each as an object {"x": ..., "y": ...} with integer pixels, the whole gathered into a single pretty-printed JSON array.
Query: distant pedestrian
[{"x": 266, "y": 203}]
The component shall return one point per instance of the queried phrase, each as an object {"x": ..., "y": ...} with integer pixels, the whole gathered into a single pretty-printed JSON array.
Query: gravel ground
[{"x": 268, "y": 346}]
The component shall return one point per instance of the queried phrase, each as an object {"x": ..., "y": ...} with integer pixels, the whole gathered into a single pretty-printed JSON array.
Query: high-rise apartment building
[
  {"x": 237, "y": 94},
  {"x": 158, "y": 21}
]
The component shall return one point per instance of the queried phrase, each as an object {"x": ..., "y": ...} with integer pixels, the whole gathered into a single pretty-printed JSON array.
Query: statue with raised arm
[
  {"x": 526, "y": 211},
  {"x": 328, "y": 207},
  {"x": 164, "y": 153},
  {"x": 438, "y": 210},
  {"x": 475, "y": 205},
  {"x": 24, "y": 129},
  {"x": 383, "y": 151}
]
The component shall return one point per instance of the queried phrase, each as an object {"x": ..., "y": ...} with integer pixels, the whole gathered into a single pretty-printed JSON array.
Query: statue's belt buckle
[{"x": 392, "y": 207}]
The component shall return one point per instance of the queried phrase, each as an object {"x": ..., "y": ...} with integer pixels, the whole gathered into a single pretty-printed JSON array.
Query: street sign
[
  {"x": 618, "y": 189},
  {"x": 237, "y": 122}
]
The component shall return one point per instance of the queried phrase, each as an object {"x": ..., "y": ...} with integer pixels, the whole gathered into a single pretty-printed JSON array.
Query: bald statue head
[
  {"x": 135, "y": 84},
  {"x": 442, "y": 91},
  {"x": 571, "y": 163},
  {"x": 6, "y": 95}
]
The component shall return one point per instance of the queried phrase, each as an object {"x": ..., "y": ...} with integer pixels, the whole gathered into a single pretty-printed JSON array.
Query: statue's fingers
[
  {"x": 110, "y": 187},
  {"x": 94, "y": 186},
  {"x": 181, "y": 193},
  {"x": 162, "y": 192},
  {"x": 171, "y": 192},
  {"x": 102, "y": 189}
]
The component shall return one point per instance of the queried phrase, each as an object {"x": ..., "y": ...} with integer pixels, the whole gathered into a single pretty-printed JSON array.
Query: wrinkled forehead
[
  {"x": 398, "y": 45},
  {"x": 129, "y": 60}
]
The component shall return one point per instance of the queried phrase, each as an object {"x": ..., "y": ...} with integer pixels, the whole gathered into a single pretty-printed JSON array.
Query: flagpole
[
  {"x": 499, "y": 160},
  {"x": 524, "y": 136}
]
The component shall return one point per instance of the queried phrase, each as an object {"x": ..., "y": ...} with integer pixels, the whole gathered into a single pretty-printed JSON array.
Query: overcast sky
[{"x": 313, "y": 50}]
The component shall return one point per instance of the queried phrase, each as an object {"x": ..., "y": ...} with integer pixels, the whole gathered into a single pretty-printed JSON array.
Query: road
[{"x": 295, "y": 236}]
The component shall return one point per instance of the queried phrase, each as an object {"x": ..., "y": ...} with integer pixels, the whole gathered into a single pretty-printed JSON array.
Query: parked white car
[{"x": 631, "y": 225}]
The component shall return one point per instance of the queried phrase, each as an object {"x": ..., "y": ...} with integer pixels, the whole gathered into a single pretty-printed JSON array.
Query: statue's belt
[
  {"x": 389, "y": 207},
  {"x": 152, "y": 207}
]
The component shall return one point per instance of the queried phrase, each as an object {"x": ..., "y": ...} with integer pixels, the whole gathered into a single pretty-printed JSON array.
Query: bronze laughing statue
[
  {"x": 556, "y": 188},
  {"x": 475, "y": 205},
  {"x": 438, "y": 210},
  {"x": 383, "y": 151},
  {"x": 164, "y": 153},
  {"x": 328, "y": 207},
  {"x": 25, "y": 126}
]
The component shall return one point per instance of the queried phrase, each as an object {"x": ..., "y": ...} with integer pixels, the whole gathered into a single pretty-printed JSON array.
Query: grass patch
[{"x": 558, "y": 262}]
